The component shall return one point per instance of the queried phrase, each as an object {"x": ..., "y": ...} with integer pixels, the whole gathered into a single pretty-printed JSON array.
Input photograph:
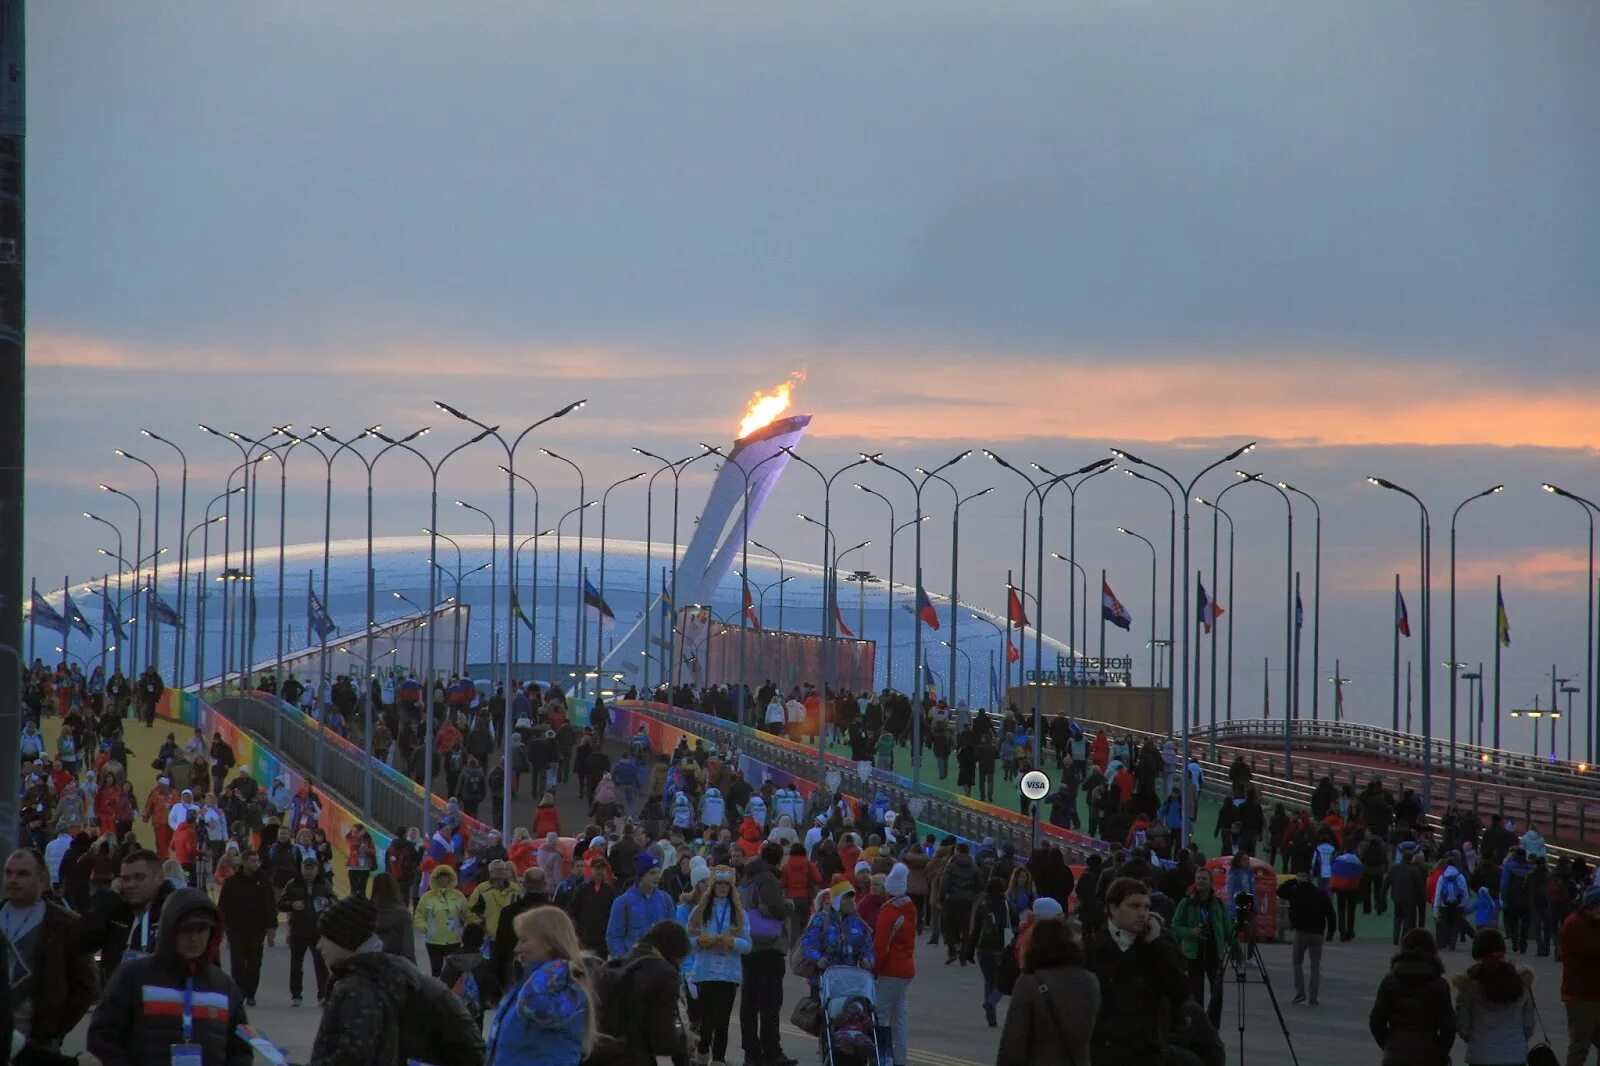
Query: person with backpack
[
  {"x": 1054, "y": 1004},
  {"x": 639, "y": 994},
  {"x": 1514, "y": 901},
  {"x": 991, "y": 919},
  {"x": 1450, "y": 898},
  {"x": 1374, "y": 853},
  {"x": 1558, "y": 893},
  {"x": 470, "y": 976},
  {"x": 960, "y": 884}
]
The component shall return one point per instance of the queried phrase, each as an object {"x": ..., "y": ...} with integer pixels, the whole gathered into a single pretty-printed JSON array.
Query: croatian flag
[
  {"x": 1111, "y": 608},
  {"x": 1209, "y": 610},
  {"x": 1402, "y": 620},
  {"x": 1012, "y": 654},
  {"x": 750, "y": 609},
  {"x": 925, "y": 611},
  {"x": 1016, "y": 615}
]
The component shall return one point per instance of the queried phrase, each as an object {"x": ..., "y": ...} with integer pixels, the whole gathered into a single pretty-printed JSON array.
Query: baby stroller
[{"x": 849, "y": 1018}]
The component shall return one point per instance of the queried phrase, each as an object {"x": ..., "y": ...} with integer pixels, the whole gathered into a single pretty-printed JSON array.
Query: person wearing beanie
[
  {"x": 304, "y": 900},
  {"x": 372, "y": 990},
  {"x": 720, "y": 932},
  {"x": 894, "y": 942},
  {"x": 837, "y": 936},
  {"x": 635, "y": 911},
  {"x": 761, "y": 988},
  {"x": 590, "y": 907}
]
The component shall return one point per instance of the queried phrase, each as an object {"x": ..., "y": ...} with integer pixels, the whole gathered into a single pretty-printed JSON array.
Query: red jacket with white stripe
[{"x": 894, "y": 940}]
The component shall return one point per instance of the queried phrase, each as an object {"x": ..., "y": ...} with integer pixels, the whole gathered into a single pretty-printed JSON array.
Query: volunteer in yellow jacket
[
  {"x": 441, "y": 917},
  {"x": 493, "y": 896}
]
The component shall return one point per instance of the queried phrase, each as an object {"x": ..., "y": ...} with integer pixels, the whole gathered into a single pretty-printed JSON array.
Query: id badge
[{"x": 187, "y": 1055}]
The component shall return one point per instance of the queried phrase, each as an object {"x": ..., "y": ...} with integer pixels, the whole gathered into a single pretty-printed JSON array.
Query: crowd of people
[{"x": 692, "y": 892}]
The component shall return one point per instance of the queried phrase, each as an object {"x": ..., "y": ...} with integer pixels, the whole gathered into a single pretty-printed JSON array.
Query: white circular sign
[
  {"x": 917, "y": 805},
  {"x": 1035, "y": 785},
  {"x": 864, "y": 770},
  {"x": 833, "y": 779}
]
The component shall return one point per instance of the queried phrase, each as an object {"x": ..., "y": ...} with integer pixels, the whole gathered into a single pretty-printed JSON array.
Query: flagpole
[
  {"x": 33, "y": 624},
  {"x": 1408, "y": 695},
  {"x": 1395, "y": 622},
  {"x": 1102, "y": 620},
  {"x": 66, "y": 629},
  {"x": 1497, "y": 603},
  {"x": 105, "y": 589}
]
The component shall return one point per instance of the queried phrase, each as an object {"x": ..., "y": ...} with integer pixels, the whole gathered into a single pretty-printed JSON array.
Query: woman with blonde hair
[
  {"x": 720, "y": 934},
  {"x": 549, "y": 1020}
]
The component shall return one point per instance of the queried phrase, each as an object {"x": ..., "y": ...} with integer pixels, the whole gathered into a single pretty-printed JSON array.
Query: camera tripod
[{"x": 1240, "y": 954}]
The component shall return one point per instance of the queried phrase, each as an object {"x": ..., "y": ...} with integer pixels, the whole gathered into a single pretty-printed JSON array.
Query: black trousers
[
  {"x": 716, "y": 1008},
  {"x": 1346, "y": 901},
  {"x": 437, "y": 953},
  {"x": 957, "y": 931},
  {"x": 1202, "y": 979},
  {"x": 244, "y": 962},
  {"x": 1518, "y": 927},
  {"x": 358, "y": 882},
  {"x": 297, "y": 968},
  {"x": 761, "y": 1004}
]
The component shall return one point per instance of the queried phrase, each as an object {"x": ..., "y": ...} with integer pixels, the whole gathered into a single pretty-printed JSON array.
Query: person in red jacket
[
  {"x": 749, "y": 837},
  {"x": 1580, "y": 976},
  {"x": 186, "y": 845},
  {"x": 801, "y": 880},
  {"x": 546, "y": 818},
  {"x": 894, "y": 944}
]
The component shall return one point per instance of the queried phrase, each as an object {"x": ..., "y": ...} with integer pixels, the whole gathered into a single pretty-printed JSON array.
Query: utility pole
[{"x": 13, "y": 405}]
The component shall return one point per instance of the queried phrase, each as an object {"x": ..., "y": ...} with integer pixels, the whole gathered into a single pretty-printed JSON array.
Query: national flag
[
  {"x": 592, "y": 602},
  {"x": 838, "y": 622},
  {"x": 925, "y": 611},
  {"x": 1338, "y": 699},
  {"x": 108, "y": 618},
  {"x": 318, "y": 621},
  {"x": 750, "y": 608},
  {"x": 1012, "y": 654},
  {"x": 1402, "y": 620},
  {"x": 994, "y": 685},
  {"x": 1502, "y": 623},
  {"x": 161, "y": 610},
  {"x": 40, "y": 613},
  {"x": 1111, "y": 608},
  {"x": 75, "y": 617},
  {"x": 666, "y": 605},
  {"x": 1014, "y": 612},
  {"x": 1299, "y": 613},
  {"x": 930, "y": 684},
  {"x": 518, "y": 613},
  {"x": 1208, "y": 609}
]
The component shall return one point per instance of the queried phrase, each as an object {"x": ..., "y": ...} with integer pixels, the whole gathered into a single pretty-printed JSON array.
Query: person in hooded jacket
[
  {"x": 206, "y": 1007},
  {"x": 635, "y": 911},
  {"x": 960, "y": 884},
  {"x": 249, "y": 907},
  {"x": 1495, "y": 1014},
  {"x": 992, "y": 917},
  {"x": 1412, "y": 1018},
  {"x": 1204, "y": 930},
  {"x": 639, "y": 995}
]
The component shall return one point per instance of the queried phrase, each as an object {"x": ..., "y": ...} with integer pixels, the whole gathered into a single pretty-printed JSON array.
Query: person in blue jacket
[
  {"x": 836, "y": 936},
  {"x": 549, "y": 1020},
  {"x": 720, "y": 934},
  {"x": 636, "y": 910}
]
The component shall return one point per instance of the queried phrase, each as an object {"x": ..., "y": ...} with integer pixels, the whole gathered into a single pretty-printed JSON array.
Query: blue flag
[
  {"x": 40, "y": 613},
  {"x": 109, "y": 620},
  {"x": 161, "y": 610},
  {"x": 318, "y": 621},
  {"x": 75, "y": 617},
  {"x": 599, "y": 608}
]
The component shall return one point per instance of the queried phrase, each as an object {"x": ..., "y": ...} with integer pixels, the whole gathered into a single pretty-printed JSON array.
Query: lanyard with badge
[
  {"x": 187, "y": 1053},
  {"x": 139, "y": 948}
]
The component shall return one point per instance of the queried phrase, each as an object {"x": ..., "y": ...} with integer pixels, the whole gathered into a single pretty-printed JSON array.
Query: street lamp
[
  {"x": 111, "y": 526},
  {"x": 1425, "y": 551},
  {"x": 579, "y": 630},
  {"x": 138, "y": 542},
  {"x": 1454, "y": 665},
  {"x": 1290, "y": 689},
  {"x": 676, "y": 468},
  {"x": 782, "y": 580},
  {"x": 605, "y": 498},
  {"x": 1187, "y": 491},
  {"x": 1125, "y": 531},
  {"x": 152, "y": 631},
  {"x": 1217, "y": 509},
  {"x": 1590, "y": 653},
  {"x": 555, "y": 645},
  {"x": 954, "y": 651},
  {"x": 433, "y": 596},
  {"x": 955, "y": 569},
  {"x": 494, "y": 595},
  {"x": 183, "y": 557},
  {"x": 200, "y": 594},
  {"x": 248, "y": 458},
  {"x": 1316, "y": 600}
]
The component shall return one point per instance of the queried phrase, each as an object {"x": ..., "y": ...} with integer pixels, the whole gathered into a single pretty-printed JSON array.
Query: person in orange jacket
[
  {"x": 894, "y": 944},
  {"x": 186, "y": 845},
  {"x": 750, "y": 840},
  {"x": 1100, "y": 751},
  {"x": 546, "y": 817},
  {"x": 523, "y": 853},
  {"x": 157, "y": 811}
]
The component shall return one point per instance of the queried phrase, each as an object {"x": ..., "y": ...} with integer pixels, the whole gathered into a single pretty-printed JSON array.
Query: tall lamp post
[
  {"x": 183, "y": 555},
  {"x": 433, "y": 597},
  {"x": 953, "y": 652},
  {"x": 111, "y": 526},
  {"x": 916, "y": 490},
  {"x": 676, "y": 469},
  {"x": 1425, "y": 535},
  {"x": 1187, "y": 491},
  {"x": 1455, "y": 666},
  {"x": 578, "y": 628},
  {"x": 248, "y": 458},
  {"x": 1316, "y": 597},
  {"x": 1216, "y": 509},
  {"x": 782, "y": 579},
  {"x": 199, "y": 616},
  {"x": 138, "y": 543},
  {"x": 494, "y": 595},
  {"x": 1093, "y": 471},
  {"x": 458, "y": 658},
  {"x": 1172, "y": 570},
  {"x": 1288, "y": 618},
  {"x": 533, "y": 603},
  {"x": 1125, "y": 531},
  {"x": 152, "y": 630},
  {"x": 955, "y": 568},
  {"x": 829, "y": 603},
  {"x": 605, "y": 497},
  {"x": 1589, "y": 653},
  {"x": 555, "y": 627}
]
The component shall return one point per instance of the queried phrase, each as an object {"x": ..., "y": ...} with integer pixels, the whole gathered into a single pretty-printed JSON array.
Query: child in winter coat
[{"x": 1485, "y": 910}]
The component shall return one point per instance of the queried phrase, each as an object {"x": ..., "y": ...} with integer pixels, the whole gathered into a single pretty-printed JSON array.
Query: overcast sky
[{"x": 1364, "y": 234}]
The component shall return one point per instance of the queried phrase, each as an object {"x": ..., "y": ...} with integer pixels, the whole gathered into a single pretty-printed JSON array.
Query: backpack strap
[{"x": 1055, "y": 1020}]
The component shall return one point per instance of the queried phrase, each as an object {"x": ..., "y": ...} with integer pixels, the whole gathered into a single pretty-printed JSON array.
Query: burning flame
[{"x": 766, "y": 407}]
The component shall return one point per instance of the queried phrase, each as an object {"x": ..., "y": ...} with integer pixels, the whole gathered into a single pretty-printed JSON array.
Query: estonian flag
[
  {"x": 1111, "y": 608},
  {"x": 593, "y": 602},
  {"x": 925, "y": 611},
  {"x": 1502, "y": 623},
  {"x": 1208, "y": 609}
]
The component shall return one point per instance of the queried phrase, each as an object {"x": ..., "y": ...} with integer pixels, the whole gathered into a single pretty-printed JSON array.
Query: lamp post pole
[
  {"x": 111, "y": 526},
  {"x": 676, "y": 468},
  {"x": 1454, "y": 665},
  {"x": 138, "y": 543},
  {"x": 1078, "y": 693},
  {"x": 888, "y": 672},
  {"x": 829, "y": 604},
  {"x": 458, "y": 657},
  {"x": 183, "y": 554},
  {"x": 1425, "y": 551},
  {"x": 1288, "y": 621},
  {"x": 604, "y": 504},
  {"x": 1128, "y": 532},
  {"x": 1216, "y": 509},
  {"x": 533, "y": 617},
  {"x": 579, "y": 630},
  {"x": 1022, "y": 573},
  {"x": 782, "y": 580},
  {"x": 955, "y": 569},
  {"x": 555, "y": 641},
  {"x": 152, "y": 630},
  {"x": 1187, "y": 493},
  {"x": 433, "y": 598},
  {"x": 1172, "y": 567},
  {"x": 494, "y": 597},
  {"x": 1589, "y": 651},
  {"x": 1316, "y": 597}
]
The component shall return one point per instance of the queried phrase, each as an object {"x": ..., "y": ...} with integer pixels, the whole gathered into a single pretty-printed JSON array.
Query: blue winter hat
[
  {"x": 643, "y": 863},
  {"x": 1045, "y": 907}
]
